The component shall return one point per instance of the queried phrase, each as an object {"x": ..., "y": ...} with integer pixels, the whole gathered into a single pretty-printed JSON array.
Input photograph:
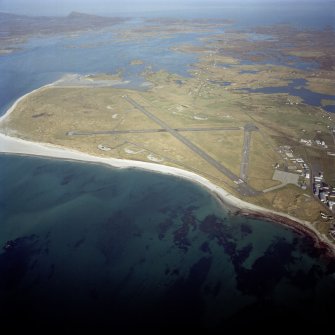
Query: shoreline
[
  {"x": 14, "y": 105},
  {"x": 62, "y": 82},
  {"x": 15, "y": 145},
  {"x": 318, "y": 241},
  {"x": 300, "y": 226}
]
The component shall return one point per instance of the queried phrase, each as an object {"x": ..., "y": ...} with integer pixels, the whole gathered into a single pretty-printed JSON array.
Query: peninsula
[{"x": 257, "y": 131}]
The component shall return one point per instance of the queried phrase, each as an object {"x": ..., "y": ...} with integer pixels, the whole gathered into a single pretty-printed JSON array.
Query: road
[
  {"x": 248, "y": 128},
  {"x": 242, "y": 187},
  {"x": 145, "y": 131},
  {"x": 245, "y": 156}
]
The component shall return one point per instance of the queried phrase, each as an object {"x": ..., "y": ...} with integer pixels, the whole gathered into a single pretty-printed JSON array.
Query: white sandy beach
[
  {"x": 13, "y": 145},
  {"x": 12, "y": 108}
]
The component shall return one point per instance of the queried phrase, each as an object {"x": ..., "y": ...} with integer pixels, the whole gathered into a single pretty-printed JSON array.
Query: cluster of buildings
[
  {"x": 309, "y": 143},
  {"x": 324, "y": 192},
  {"x": 319, "y": 142},
  {"x": 295, "y": 165}
]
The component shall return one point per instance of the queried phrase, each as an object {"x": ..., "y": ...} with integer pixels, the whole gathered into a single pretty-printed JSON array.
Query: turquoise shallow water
[{"x": 95, "y": 246}]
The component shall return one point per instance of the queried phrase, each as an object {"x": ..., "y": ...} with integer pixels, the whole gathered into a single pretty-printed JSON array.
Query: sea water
[
  {"x": 89, "y": 245},
  {"x": 84, "y": 244}
]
